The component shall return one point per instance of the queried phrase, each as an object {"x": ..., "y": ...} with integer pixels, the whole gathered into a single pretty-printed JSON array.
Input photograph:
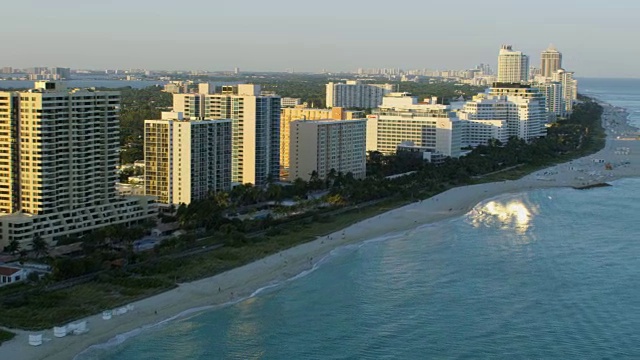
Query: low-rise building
[
  {"x": 11, "y": 275},
  {"x": 402, "y": 118},
  {"x": 356, "y": 94}
]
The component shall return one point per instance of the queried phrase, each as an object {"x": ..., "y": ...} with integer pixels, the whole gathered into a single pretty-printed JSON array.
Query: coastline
[{"x": 240, "y": 283}]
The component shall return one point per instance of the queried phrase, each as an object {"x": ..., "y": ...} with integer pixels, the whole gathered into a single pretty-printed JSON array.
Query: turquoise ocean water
[{"x": 548, "y": 273}]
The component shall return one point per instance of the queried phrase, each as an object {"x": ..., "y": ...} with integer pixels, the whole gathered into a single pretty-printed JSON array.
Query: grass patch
[
  {"x": 36, "y": 311},
  {"x": 6, "y": 336}
]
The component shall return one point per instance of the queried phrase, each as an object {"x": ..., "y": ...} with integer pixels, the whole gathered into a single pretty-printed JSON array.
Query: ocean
[{"x": 549, "y": 273}]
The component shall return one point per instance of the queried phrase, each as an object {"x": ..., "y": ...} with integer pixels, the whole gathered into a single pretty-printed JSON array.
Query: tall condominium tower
[
  {"x": 322, "y": 146},
  {"x": 551, "y": 61},
  {"x": 255, "y": 122},
  {"x": 513, "y": 66},
  {"x": 59, "y": 155},
  {"x": 569, "y": 88},
  {"x": 185, "y": 160},
  {"x": 355, "y": 94},
  {"x": 554, "y": 95}
]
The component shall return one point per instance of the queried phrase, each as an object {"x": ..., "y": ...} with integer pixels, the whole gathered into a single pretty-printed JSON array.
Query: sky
[{"x": 596, "y": 38}]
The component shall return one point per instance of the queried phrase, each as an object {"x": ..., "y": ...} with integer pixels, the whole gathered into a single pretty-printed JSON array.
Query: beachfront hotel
[
  {"x": 521, "y": 107},
  {"x": 59, "y": 158},
  {"x": 355, "y": 94},
  {"x": 513, "y": 66},
  {"x": 186, "y": 160},
  {"x": 302, "y": 113},
  {"x": 322, "y": 146},
  {"x": 255, "y": 127},
  {"x": 401, "y": 119}
]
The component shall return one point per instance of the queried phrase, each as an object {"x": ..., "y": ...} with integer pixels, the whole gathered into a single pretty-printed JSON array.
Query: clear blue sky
[{"x": 597, "y": 38}]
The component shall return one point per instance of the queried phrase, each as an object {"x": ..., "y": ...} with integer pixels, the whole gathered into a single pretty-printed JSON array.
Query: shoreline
[{"x": 249, "y": 280}]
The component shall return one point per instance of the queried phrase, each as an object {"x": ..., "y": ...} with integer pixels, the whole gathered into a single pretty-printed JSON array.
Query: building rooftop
[{"x": 8, "y": 271}]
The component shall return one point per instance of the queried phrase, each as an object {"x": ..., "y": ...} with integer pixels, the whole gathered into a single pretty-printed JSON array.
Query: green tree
[
  {"x": 40, "y": 246},
  {"x": 13, "y": 247}
]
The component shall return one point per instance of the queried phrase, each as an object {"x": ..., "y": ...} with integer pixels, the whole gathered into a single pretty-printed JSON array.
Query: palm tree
[
  {"x": 40, "y": 246},
  {"x": 13, "y": 247}
]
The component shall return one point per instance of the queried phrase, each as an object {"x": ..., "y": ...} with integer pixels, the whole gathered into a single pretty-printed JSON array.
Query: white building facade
[
  {"x": 513, "y": 66},
  {"x": 507, "y": 110},
  {"x": 401, "y": 118},
  {"x": 569, "y": 88},
  {"x": 554, "y": 97},
  {"x": 355, "y": 94},
  {"x": 60, "y": 154}
]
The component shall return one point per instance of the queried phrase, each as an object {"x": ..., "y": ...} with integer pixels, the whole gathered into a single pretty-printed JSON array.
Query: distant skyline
[{"x": 334, "y": 35}]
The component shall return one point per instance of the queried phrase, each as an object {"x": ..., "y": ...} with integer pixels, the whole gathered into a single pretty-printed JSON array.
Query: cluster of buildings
[
  {"x": 59, "y": 152},
  {"x": 40, "y": 73},
  {"x": 557, "y": 85},
  {"x": 60, "y": 147}
]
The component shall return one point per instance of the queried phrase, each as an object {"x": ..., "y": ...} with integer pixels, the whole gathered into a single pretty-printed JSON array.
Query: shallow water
[{"x": 549, "y": 273}]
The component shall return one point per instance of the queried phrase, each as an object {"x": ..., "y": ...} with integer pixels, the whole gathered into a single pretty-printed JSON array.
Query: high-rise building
[
  {"x": 554, "y": 95},
  {"x": 255, "y": 122},
  {"x": 521, "y": 106},
  {"x": 59, "y": 151},
  {"x": 301, "y": 113},
  {"x": 569, "y": 88},
  {"x": 513, "y": 66},
  {"x": 401, "y": 119},
  {"x": 186, "y": 160},
  {"x": 551, "y": 61},
  {"x": 355, "y": 94},
  {"x": 322, "y": 146}
]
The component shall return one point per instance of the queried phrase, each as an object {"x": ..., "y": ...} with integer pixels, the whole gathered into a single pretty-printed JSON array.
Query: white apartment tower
[
  {"x": 551, "y": 61},
  {"x": 354, "y": 94},
  {"x": 59, "y": 156},
  {"x": 186, "y": 160},
  {"x": 513, "y": 66},
  {"x": 255, "y": 123},
  {"x": 401, "y": 119},
  {"x": 569, "y": 88},
  {"x": 518, "y": 106},
  {"x": 554, "y": 95},
  {"x": 323, "y": 146}
]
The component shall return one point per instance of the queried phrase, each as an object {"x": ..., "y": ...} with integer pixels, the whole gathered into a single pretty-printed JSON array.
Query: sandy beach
[{"x": 239, "y": 283}]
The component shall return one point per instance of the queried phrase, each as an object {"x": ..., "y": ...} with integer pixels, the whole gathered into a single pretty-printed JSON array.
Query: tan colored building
[
  {"x": 550, "y": 61},
  {"x": 185, "y": 160},
  {"x": 325, "y": 145},
  {"x": 255, "y": 121},
  {"x": 301, "y": 113},
  {"x": 58, "y": 161}
]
